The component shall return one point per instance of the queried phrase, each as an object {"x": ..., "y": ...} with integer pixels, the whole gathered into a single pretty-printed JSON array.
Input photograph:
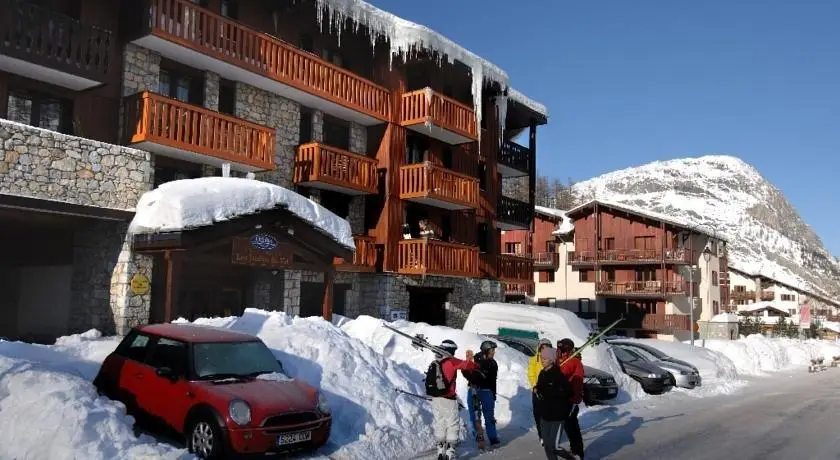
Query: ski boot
[
  {"x": 441, "y": 451},
  {"x": 450, "y": 452}
]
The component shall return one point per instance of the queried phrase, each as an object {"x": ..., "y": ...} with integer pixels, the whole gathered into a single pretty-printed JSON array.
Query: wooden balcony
[
  {"x": 433, "y": 257},
  {"x": 637, "y": 319},
  {"x": 512, "y": 214},
  {"x": 176, "y": 129},
  {"x": 41, "y": 44},
  {"x": 507, "y": 267},
  {"x": 321, "y": 166},
  {"x": 514, "y": 159},
  {"x": 519, "y": 289},
  {"x": 435, "y": 186},
  {"x": 643, "y": 289},
  {"x": 433, "y": 114},
  {"x": 185, "y": 32},
  {"x": 364, "y": 259},
  {"x": 742, "y": 295},
  {"x": 631, "y": 257},
  {"x": 546, "y": 260}
]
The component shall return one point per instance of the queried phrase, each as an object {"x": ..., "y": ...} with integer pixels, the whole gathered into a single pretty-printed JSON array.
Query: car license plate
[
  {"x": 611, "y": 391},
  {"x": 294, "y": 438}
]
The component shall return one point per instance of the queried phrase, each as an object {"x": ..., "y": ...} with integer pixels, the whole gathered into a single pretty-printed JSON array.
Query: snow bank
[
  {"x": 756, "y": 354},
  {"x": 370, "y": 421},
  {"x": 50, "y": 409},
  {"x": 191, "y": 203}
]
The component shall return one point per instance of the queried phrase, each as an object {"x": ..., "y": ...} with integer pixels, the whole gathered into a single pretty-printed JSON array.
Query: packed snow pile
[
  {"x": 756, "y": 354},
  {"x": 50, "y": 410},
  {"x": 191, "y": 203},
  {"x": 369, "y": 420}
]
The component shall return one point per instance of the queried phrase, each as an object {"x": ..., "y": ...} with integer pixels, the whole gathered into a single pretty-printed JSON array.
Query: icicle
[
  {"x": 501, "y": 107},
  {"x": 428, "y": 92}
]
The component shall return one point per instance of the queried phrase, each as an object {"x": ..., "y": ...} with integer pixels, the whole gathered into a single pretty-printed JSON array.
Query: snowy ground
[{"x": 49, "y": 409}]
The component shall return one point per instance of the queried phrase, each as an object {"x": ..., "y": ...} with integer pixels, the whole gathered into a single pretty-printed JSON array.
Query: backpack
[{"x": 436, "y": 383}]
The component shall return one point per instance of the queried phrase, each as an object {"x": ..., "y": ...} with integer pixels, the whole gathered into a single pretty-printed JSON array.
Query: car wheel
[{"x": 204, "y": 438}]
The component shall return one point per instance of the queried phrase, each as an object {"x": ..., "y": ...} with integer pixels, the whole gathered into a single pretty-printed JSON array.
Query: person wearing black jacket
[
  {"x": 483, "y": 390},
  {"x": 553, "y": 391}
]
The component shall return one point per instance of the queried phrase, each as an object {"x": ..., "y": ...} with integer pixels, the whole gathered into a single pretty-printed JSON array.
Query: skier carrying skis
[
  {"x": 534, "y": 368},
  {"x": 440, "y": 385},
  {"x": 573, "y": 370},
  {"x": 483, "y": 390},
  {"x": 553, "y": 392}
]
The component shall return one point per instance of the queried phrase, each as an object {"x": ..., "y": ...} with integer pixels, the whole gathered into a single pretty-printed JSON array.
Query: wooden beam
[
  {"x": 173, "y": 262},
  {"x": 327, "y": 309}
]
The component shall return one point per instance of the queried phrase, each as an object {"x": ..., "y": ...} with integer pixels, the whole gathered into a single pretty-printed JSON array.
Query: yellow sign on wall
[{"x": 140, "y": 284}]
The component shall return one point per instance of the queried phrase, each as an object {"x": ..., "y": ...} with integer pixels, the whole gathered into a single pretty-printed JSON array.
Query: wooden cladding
[
  {"x": 631, "y": 257},
  {"x": 364, "y": 259},
  {"x": 546, "y": 260},
  {"x": 436, "y": 186},
  {"x": 41, "y": 36},
  {"x": 425, "y": 106},
  {"x": 644, "y": 288},
  {"x": 198, "y": 28},
  {"x": 161, "y": 120},
  {"x": 666, "y": 323},
  {"x": 433, "y": 257},
  {"x": 322, "y": 166}
]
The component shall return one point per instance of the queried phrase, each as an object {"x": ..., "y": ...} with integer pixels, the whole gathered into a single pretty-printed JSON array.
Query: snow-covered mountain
[{"x": 766, "y": 235}]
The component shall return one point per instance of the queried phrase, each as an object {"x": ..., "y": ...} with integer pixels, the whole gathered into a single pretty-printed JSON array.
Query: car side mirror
[{"x": 166, "y": 372}]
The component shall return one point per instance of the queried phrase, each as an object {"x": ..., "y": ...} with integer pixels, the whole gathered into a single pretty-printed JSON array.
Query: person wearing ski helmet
[
  {"x": 572, "y": 368},
  {"x": 482, "y": 390},
  {"x": 447, "y": 421},
  {"x": 534, "y": 368}
]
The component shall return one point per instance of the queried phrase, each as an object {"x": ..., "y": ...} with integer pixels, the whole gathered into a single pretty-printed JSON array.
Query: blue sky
[{"x": 629, "y": 82}]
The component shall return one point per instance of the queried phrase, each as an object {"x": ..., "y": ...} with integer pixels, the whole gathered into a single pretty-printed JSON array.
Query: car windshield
[
  {"x": 219, "y": 360},
  {"x": 652, "y": 351},
  {"x": 642, "y": 352},
  {"x": 623, "y": 355}
]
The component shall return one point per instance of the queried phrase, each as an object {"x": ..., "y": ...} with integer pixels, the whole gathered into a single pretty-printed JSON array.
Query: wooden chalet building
[{"x": 103, "y": 100}]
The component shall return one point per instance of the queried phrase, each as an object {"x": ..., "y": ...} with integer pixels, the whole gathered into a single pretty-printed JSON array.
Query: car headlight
[
  {"x": 652, "y": 376},
  {"x": 591, "y": 381},
  {"x": 323, "y": 406},
  {"x": 240, "y": 412}
]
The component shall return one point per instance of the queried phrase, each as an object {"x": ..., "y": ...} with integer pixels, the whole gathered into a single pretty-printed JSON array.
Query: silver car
[{"x": 684, "y": 376}]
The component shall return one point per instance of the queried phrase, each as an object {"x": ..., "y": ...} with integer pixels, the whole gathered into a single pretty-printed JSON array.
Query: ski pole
[
  {"x": 427, "y": 398},
  {"x": 593, "y": 339}
]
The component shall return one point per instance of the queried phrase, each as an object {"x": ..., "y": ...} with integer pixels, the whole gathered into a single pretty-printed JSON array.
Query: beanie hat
[
  {"x": 549, "y": 354},
  {"x": 545, "y": 341},
  {"x": 568, "y": 343},
  {"x": 449, "y": 346}
]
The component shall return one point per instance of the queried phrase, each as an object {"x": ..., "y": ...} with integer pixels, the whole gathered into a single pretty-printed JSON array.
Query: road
[{"x": 786, "y": 416}]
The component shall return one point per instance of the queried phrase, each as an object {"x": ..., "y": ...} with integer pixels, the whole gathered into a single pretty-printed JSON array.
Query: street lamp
[{"x": 707, "y": 255}]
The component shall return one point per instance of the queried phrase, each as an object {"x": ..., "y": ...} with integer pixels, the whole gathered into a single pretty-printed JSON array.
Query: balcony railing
[
  {"x": 742, "y": 295},
  {"x": 667, "y": 323},
  {"x": 767, "y": 295},
  {"x": 512, "y": 214},
  {"x": 546, "y": 260},
  {"x": 643, "y": 288},
  {"x": 321, "y": 166},
  {"x": 631, "y": 257},
  {"x": 508, "y": 267},
  {"x": 434, "y": 257},
  {"x": 514, "y": 159},
  {"x": 519, "y": 289},
  {"x": 186, "y": 24},
  {"x": 364, "y": 259},
  {"x": 152, "y": 119},
  {"x": 442, "y": 117},
  {"x": 436, "y": 186},
  {"x": 50, "y": 39}
]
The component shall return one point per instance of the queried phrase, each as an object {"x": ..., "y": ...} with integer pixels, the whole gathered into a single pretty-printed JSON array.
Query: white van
[{"x": 526, "y": 321}]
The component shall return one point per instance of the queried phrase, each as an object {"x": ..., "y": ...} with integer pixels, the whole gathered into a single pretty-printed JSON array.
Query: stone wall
[
  {"x": 211, "y": 90},
  {"x": 141, "y": 70},
  {"x": 48, "y": 165},
  {"x": 274, "y": 111},
  {"x": 103, "y": 266},
  {"x": 291, "y": 292}
]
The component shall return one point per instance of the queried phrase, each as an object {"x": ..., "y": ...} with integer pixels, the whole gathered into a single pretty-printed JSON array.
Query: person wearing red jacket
[
  {"x": 447, "y": 420},
  {"x": 573, "y": 370}
]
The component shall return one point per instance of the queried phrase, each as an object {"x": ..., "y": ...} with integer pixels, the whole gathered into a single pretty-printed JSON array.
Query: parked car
[
  {"x": 684, "y": 376},
  {"x": 653, "y": 351},
  {"x": 598, "y": 386},
  {"x": 652, "y": 378},
  {"x": 224, "y": 391}
]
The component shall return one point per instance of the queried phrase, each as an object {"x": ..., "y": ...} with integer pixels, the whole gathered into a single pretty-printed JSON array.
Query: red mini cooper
[{"x": 224, "y": 391}]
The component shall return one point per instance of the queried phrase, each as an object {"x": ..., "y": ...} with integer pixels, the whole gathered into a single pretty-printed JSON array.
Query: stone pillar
[
  {"x": 211, "y": 91},
  {"x": 317, "y": 126},
  {"x": 269, "y": 109},
  {"x": 358, "y": 139},
  {"x": 291, "y": 292},
  {"x": 356, "y": 215},
  {"x": 141, "y": 70}
]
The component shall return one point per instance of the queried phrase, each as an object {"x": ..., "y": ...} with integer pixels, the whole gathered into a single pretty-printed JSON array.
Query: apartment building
[
  {"x": 614, "y": 260},
  {"x": 749, "y": 291},
  {"x": 102, "y": 101}
]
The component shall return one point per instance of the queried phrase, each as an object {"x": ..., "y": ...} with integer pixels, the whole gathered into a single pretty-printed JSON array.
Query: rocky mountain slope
[{"x": 766, "y": 235}]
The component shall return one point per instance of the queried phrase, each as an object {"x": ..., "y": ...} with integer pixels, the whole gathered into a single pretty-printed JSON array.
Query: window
[
  {"x": 609, "y": 244},
  {"x": 482, "y": 176},
  {"x": 513, "y": 248},
  {"x": 644, "y": 242},
  {"x": 714, "y": 278},
  {"x": 609, "y": 273},
  {"x": 305, "y": 126},
  {"x": 227, "y": 97},
  {"x": 646, "y": 274},
  {"x": 715, "y": 307},
  {"x": 585, "y": 276},
  {"x": 134, "y": 347},
  {"x": 336, "y": 202},
  {"x": 739, "y": 289},
  {"x": 40, "y": 110},
  {"x": 446, "y": 156},
  {"x": 169, "y": 353},
  {"x": 336, "y": 132},
  {"x": 788, "y": 298},
  {"x": 584, "y": 305},
  {"x": 550, "y": 246},
  {"x": 483, "y": 234},
  {"x": 546, "y": 276},
  {"x": 416, "y": 149}
]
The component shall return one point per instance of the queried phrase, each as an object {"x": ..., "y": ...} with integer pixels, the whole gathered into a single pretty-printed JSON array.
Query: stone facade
[
  {"x": 317, "y": 126},
  {"x": 103, "y": 266},
  {"x": 45, "y": 164},
  {"x": 211, "y": 91},
  {"x": 291, "y": 292},
  {"x": 274, "y": 111},
  {"x": 356, "y": 214},
  {"x": 358, "y": 139},
  {"x": 141, "y": 70}
]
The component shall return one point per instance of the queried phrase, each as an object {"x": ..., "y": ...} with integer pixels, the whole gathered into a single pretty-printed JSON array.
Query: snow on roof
[
  {"x": 645, "y": 213},
  {"x": 831, "y": 325},
  {"x": 757, "y": 306},
  {"x": 725, "y": 318},
  {"x": 192, "y": 203},
  {"x": 520, "y": 98},
  {"x": 565, "y": 226}
]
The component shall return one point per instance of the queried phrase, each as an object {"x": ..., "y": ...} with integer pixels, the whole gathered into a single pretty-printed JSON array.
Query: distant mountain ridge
[{"x": 765, "y": 232}]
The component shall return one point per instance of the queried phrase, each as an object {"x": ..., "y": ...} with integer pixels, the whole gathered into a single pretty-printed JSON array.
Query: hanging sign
[
  {"x": 140, "y": 284},
  {"x": 261, "y": 250}
]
